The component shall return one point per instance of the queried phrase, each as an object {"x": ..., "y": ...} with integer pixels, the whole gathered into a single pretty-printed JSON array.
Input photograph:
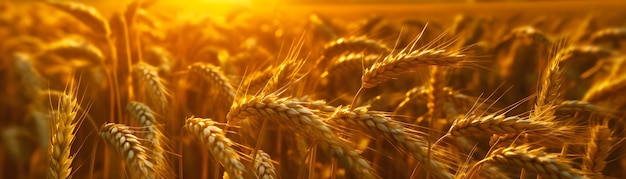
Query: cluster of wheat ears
[{"x": 142, "y": 93}]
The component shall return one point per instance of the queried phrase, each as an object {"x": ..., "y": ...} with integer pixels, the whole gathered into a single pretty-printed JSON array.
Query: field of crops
[{"x": 254, "y": 89}]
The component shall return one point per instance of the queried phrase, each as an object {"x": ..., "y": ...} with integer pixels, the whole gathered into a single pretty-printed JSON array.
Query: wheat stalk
[
  {"x": 585, "y": 52},
  {"x": 353, "y": 62},
  {"x": 556, "y": 136},
  {"x": 256, "y": 81},
  {"x": 214, "y": 76},
  {"x": 263, "y": 166},
  {"x": 86, "y": 14},
  {"x": 496, "y": 124},
  {"x": 157, "y": 140},
  {"x": 377, "y": 123},
  {"x": 70, "y": 48},
  {"x": 575, "y": 105},
  {"x": 218, "y": 145},
  {"x": 62, "y": 133},
  {"x": 284, "y": 74},
  {"x": 393, "y": 66},
  {"x": 159, "y": 56},
  {"x": 29, "y": 79},
  {"x": 459, "y": 100},
  {"x": 598, "y": 150},
  {"x": 608, "y": 35},
  {"x": 22, "y": 43},
  {"x": 299, "y": 119},
  {"x": 524, "y": 33},
  {"x": 535, "y": 160},
  {"x": 354, "y": 45},
  {"x": 550, "y": 85},
  {"x": 128, "y": 146},
  {"x": 152, "y": 85},
  {"x": 606, "y": 90}
]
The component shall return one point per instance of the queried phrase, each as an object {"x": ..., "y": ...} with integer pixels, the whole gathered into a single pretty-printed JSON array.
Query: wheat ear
[
  {"x": 607, "y": 90},
  {"x": 550, "y": 85},
  {"x": 393, "y": 66},
  {"x": 495, "y": 124},
  {"x": 598, "y": 150},
  {"x": 157, "y": 140},
  {"x": 22, "y": 43},
  {"x": 218, "y": 145},
  {"x": 256, "y": 81},
  {"x": 152, "y": 85},
  {"x": 304, "y": 121},
  {"x": 556, "y": 136},
  {"x": 30, "y": 80},
  {"x": 128, "y": 146},
  {"x": 70, "y": 48},
  {"x": 63, "y": 129},
  {"x": 524, "y": 32},
  {"x": 263, "y": 166},
  {"x": 160, "y": 57},
  {"x": 214, "y": 76},
  {"x": 608, "y": 35},
  {"x": 459, "y": 100},
  {"x": 535, "y": 160},
  {"x": 354, "y": 45},
  {"x": 373, "y": 122},
  {"x": 585, "y": 52},
  {"x": 86, "y": 14},
  {"x": 575, "y": 105},
  {"x": 283, "y": 74},
  {"x": 351, "y": 63}
]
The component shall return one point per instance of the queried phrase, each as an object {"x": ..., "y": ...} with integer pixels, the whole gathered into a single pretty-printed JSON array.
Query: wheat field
[{"x": 143, "y": 89}]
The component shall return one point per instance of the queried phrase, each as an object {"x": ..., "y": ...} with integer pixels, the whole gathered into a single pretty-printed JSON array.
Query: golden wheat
[
  {"x": 393, "y": 66},
  {"x": 157, "y": 141},
  {"x": 303, "y": 121},
  {"x": 598, "y": 150},
  {"x": 86, "y": 14},
  {"x": 263, "y": 166},
  {"x": 214, "y": 76},
  {"x": 129, "y": 147},
  {"x": 218, "y": 145},
  {"x": 535, "y": 160},
  {"x": 62, "y": 132},
  {"x": 352, "y": 96},
  {"x": 152, "y": 85},
  {"x": 377, "y": 123}
]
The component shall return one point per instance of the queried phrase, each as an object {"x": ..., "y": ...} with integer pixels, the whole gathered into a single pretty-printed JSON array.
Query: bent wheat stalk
[
  {"x": 86, "y": 14},
  {"x": 598, "y": 150},
  {"x": 372, "y": 122},
  {"x": 220, "y": 147},
  {"x": 575, "y": 105},
  {"x": 607, "y": 90},
  {"x": 588, "y": 52},
  {"x": 350, "y": 63},
  {"x": 153, "y": 86},
  {"x": 69, "y": 48},
  {"x": 495, "y": 124},
  {"x": 354, "y": 45},
  {"x": 128, "y": 146},
  {"x": 263, "y": 166},
  {"x": 157, "y": 140},
  {"x": 214, "y": 76},
  {"x": 535, "y": 160},
  {"x": 304, "y": 121},
  {"x": 392, "y": 66},
  {"x": 609, "y": 35}
]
